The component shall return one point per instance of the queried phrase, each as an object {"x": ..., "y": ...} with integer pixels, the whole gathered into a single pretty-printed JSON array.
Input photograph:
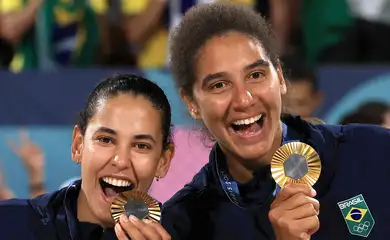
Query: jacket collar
[{"x": 57, "y": 213}]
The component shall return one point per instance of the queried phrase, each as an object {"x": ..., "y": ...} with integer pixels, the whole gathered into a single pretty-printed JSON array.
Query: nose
[
  {"x": 122, "y": 159},
  {"x": 242, "y": 97}
]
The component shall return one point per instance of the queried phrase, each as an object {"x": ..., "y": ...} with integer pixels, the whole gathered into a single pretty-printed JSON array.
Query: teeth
[
  {"x": 248, "y": 121},
  {"x": 116, "y": 182}
]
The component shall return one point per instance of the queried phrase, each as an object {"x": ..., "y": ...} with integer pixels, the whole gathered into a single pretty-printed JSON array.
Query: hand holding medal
[
  {"x": 296, "y": 167},
  {"x": 137, "y": 215}
]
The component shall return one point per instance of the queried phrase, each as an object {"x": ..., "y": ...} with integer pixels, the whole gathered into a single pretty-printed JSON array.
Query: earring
[
  {"x": 158, "y": 178},
  {"x": 78, "y": 161},
  {"x": 194, "y": 112}
]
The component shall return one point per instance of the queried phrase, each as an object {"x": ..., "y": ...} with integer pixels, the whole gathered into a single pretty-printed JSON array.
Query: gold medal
[
  {"x": 296, "y": 162},
  {"x": 135, "y": 203}
]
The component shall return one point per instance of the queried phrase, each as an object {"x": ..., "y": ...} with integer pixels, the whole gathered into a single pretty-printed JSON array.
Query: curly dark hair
[{"x": 204, "y": 21}]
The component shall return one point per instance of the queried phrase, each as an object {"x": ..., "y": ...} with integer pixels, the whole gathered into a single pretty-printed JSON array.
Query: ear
[
  {"x": 282, "y": 82},
  {"x": 192, "y": 108},
  {"x": 77, "y": 144},
  {"x": 165, "y": 161}
]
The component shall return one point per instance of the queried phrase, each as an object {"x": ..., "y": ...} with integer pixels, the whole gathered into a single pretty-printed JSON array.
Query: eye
[
  {"x": 219, "y": 85},
  {"x": 105, "y": 140},
  {"x": 142, "y": 146},
  {"x": 256, "y": 75}
]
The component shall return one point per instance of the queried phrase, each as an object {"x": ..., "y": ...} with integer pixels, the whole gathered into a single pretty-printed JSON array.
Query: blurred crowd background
[{"x": 336, "y": 55}]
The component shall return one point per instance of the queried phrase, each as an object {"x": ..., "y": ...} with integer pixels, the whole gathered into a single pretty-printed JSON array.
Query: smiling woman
[
  {"x": 122, "y": 141},
  {"x": 226, "y": 68}
]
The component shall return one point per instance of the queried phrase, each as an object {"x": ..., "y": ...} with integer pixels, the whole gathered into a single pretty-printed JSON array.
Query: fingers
[
  {"x": 24, "y": 141},
  {"x": 300, "y": 199},
  {"x": 296, "y": 207},
  {"x": 130, "y": 229},
  {"x": 292, "y": 189},
  {"x": 303, "y": 211},
  {"x": 299, "y": 229},
  {"x": 312, "y": 223},
  {"x": 142, "y": 230},
  {"x": 120, "y": 234}
]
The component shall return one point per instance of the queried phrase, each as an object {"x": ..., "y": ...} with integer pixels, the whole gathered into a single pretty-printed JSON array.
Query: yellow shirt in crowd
[{"x": 154, "y": 51}]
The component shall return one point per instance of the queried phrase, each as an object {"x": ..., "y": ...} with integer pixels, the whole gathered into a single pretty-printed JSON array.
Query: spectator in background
[
  {"x": 324, "y": 26},
  {"x": 49, "y": 32},
  {"x": 303, "y": 96},
  {"x": 113, "y": 48},
  {"x": 144, "y": 29},
  {"x": 146, "y": 24},
  {"x": 371, "y": 34},
  {"x": 377, "y": 113}
]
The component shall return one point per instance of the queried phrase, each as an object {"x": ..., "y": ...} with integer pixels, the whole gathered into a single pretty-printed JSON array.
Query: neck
[
  {"x": 242, "y": 170},
  {"x": 84, "y": 213}
]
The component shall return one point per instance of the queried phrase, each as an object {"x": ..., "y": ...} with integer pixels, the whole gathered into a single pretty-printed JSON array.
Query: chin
[
  {"x": 253, "y": 153},
  {"x": 104, "y": 218}
]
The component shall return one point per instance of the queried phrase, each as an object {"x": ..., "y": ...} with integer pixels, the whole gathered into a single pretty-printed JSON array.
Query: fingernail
[
  {"x": 147, "y": 221},
  {"x": 133, "y": 218},
  {"x": 313, "y": 192},
  {"x": 124, "y": 218}
]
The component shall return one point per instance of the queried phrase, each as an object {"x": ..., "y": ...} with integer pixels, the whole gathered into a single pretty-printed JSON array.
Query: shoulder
[
  {"x": 15, "y": 211},
  {"x": 359, "y": 132},
  {"x": 11, "y": 205},
  {"x": 184, "y": 209},
  {"x": 363, "y": 130}
]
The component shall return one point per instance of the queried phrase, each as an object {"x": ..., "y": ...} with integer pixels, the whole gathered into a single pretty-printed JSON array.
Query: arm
[
  {"x": 139, "y": 27},
  {"x": 36, "y": 183},
  {"x": 100, "y": 9},
  {"x": 15, "y": 25},
  {"x": 284, "y": 14}
]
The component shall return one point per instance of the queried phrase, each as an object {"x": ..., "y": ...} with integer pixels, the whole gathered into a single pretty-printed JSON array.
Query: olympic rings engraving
[{"x": 361, "y": 227}]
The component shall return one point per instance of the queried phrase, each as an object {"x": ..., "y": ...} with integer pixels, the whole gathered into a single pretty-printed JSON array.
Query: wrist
[
  {"x": 37, "y": 188},
  {"x": 36, "y": 177}
]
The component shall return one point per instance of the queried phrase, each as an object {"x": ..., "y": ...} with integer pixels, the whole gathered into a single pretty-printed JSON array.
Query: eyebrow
[
  {"x": 106, "y": 130},
  {"x": 144, "y": 137},
  {"x": 213, "y": 76},
  {"x": 258, "y": 63},
  {"x": 137, "y": 137}
]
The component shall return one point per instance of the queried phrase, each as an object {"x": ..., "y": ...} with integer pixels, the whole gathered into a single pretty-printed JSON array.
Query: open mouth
[
  {"x": 248, "y": 127},
  {"x": 112, "y": 186}
]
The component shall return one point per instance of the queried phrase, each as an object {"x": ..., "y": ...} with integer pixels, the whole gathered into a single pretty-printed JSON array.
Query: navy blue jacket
[
  {"x": 355, "y": 160},
  {"x": 50, "y": 216}
]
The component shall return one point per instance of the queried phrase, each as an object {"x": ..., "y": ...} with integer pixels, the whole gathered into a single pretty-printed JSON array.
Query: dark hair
[
  {"x": 129, "y": 84},
  {"x": 204, "y": 21},
  {"x": 367, "y": 113},
  {"x": 297, "y": 70}
]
